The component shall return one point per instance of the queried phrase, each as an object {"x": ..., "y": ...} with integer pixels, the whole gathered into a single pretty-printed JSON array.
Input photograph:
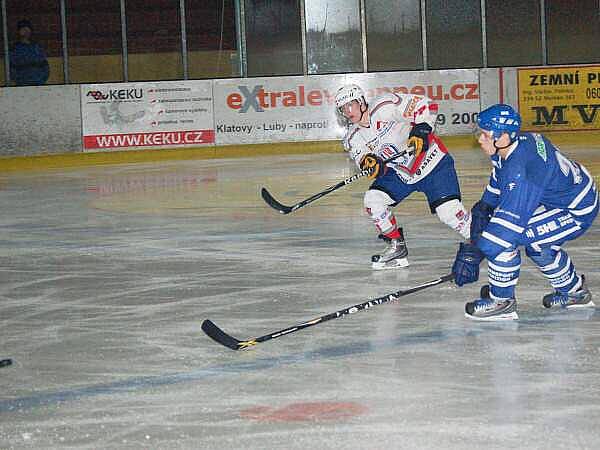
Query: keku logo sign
[{"x": 117, "y": 94}]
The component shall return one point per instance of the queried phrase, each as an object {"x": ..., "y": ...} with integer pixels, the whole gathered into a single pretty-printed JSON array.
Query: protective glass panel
[
  {"x": 36, "y": 56},
  {"x": 394, "y": 35},
  {"x": 513, "y": 33},
  {"x": 95, "y": 52},
  {"x": 333, "y": 36},
  {"x": 273, "y": 37},
  {"x": 153, "y": 40},
  {"x": 211, "y": 39},
  {"x": 573, "y": 31},
  {"x": 454, "y": 34}
]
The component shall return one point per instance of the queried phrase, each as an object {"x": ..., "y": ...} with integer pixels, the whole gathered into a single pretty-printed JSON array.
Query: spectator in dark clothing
[{"x": 28, "y": 63}]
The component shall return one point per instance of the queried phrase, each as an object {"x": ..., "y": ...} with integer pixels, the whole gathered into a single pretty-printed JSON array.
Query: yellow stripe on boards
[{"x": 75, "y": 160}]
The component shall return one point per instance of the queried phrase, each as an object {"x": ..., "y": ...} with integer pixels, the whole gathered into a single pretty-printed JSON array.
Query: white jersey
[{"x": 391, "y": 117}]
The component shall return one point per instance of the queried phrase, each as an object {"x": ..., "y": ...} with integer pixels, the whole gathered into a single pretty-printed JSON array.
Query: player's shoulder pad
[
  {"x": 385, "y": 98},
  {"x": 532, "y": 157},
  {"x": 536, "y": 147},
  {"x": 385, "y": 103}
]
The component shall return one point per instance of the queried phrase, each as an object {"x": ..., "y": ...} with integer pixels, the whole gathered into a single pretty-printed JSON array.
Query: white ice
[{"x": 107, "y": 273}]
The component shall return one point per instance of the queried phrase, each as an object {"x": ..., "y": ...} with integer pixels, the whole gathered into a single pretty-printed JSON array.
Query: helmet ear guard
[{"x": 499, "y": 119}]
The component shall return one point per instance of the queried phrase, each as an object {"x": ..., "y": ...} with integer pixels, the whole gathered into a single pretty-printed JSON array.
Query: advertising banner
[
  {"x": 455, "y": 91},
  {"x": 559, "y": 98},
  {"x": 259, "y": 110},
  {"x": 302, "y": 108},
  {"x": 156, "y": 114}
]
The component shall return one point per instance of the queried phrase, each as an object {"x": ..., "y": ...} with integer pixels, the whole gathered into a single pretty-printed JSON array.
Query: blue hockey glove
[
  {"x": 466, "y": 264},
  {"x": 419, "y": 137},
  {"x": 481, "y": 213}
]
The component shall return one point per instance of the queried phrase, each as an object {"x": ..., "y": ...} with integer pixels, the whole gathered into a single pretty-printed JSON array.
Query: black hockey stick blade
[
  {"x": 218, "y": 335},
  {"x": 268, "y": 198},
  {"x": 5, "y": 362}
]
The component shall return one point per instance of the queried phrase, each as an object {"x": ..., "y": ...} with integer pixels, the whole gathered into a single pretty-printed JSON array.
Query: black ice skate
[
  {"x": 393, "y": 256},
  {"x": 579, "y": 299}
]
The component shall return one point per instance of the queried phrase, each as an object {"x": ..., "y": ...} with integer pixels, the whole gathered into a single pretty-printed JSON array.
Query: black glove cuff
[
  {"x": 483, "y": 207},
  {"x": 421, "y": 130}
]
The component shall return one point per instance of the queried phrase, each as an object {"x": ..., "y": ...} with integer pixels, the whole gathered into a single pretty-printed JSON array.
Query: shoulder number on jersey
[{"x": 567, "y": 166}]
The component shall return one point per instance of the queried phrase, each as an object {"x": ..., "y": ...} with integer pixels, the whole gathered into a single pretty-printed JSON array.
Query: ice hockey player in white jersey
[
  {"x": 536, "y": 198},
  {"x": 387, "y": 127}
]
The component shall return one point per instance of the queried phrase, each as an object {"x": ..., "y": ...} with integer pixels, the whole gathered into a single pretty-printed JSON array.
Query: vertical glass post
[
  {"x": 303, "y": 38},
  {"x": 65, "y": 48},
  {"x": 543, "y": 32},
  {"x": 6, "y": 48},
  {"x": 424, "y": 33},
  {"x": 363, "y": 34},
  {"x": 124, "y": 42},
  {"x": 240, "y": 22},
  {"x": 483, "y": 34},
  {"x": 184, "y": 53}
]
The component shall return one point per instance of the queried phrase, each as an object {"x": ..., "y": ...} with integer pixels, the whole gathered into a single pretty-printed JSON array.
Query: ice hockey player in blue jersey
[{"x": 536, "y": 198}]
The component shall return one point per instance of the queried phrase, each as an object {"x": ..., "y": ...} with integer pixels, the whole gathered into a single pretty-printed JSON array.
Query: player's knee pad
[
  {"x": 377, "y": 203},
  {"x": 542, "y": 258},
  {"x": 507, "y": 257},
  {"x": 377, "y": 200},
  {"x": 377, "y": 207},
  {"x": 454, "y": 214},
  {"x": 556, "y": 265}
]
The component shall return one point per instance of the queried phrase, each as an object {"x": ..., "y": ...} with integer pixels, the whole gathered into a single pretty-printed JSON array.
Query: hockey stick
[
  {"x": 5, "y": 362},
  {"x": 283, "y": 209},
  {"x": 218, "y": 335}
]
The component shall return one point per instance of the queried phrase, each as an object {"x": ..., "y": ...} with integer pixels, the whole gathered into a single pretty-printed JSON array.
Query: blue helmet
[{"x": 500, "y": 119}]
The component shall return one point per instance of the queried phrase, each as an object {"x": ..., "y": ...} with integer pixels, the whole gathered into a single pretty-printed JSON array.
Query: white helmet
[{"x": 348, "y": 93}]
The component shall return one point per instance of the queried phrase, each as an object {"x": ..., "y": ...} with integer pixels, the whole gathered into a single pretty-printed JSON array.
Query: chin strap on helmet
[{"x": 501, "y": 148}]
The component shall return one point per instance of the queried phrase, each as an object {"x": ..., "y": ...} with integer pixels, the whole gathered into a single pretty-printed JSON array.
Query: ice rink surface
[{"x": 107, "y": 273}]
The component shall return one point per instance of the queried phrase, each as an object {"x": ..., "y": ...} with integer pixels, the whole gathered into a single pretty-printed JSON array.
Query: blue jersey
[
  {"x": 534, "y": 175},
  {"x": 28, "y": 64}
]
